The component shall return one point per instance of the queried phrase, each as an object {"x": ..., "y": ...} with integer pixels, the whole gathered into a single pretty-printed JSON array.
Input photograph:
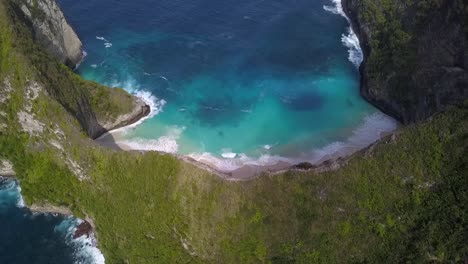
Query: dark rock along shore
[
  {"x": 84, "y": 229},
  {"x": 428, "y": 70},
  {"x": 52, "y": 31}
]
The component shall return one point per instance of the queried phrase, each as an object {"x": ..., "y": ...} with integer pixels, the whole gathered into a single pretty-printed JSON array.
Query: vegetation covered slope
[
  {"x": 90, "y": 103},
  {"x": 403, "y": 199},
  {"x": 416, "y": 54}
]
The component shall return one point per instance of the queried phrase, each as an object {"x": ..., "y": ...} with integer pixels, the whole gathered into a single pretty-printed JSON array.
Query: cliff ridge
[
  {"x": 52, "y": 30},
  {"x": 416, "y": 54}
]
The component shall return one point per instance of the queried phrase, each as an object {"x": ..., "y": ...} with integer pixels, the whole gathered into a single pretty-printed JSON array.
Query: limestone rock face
[
  {"x": 6, "y": 169},
  {"x": 140, "y": 110},
  {"x": 416, "y": 54},
  {"x": 52, "y": 30}
]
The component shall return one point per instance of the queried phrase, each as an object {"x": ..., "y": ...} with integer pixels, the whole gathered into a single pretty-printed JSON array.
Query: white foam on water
[
  {"x": 20, "y": 201},
  {"x": 350, "y": 40},
  {"x": 230, "y": 163},
  {"x": 156, "y": 105},
  {"x": 107, "y": 44},
  {"x": 219, "y": 163},
  {"x": 228, "y": 154},
  {"x": 167, "y": 143},
  {"x": 101, "y": 38},
  {"x": 12, "y": 190},
  {"x": 86, "y": 251},
  {"x": 336, "y": 8},
  {"x": 84, "y": 54},
  {"x": 371, "y": 130}
]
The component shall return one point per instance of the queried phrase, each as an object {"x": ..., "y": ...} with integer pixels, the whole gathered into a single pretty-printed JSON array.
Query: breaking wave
[
  {"x": 167, "y": 143},
  {"x": 86, "y": 251},
  {"x": 350, "y": 40},
  {"x": 372, "y": 129}
]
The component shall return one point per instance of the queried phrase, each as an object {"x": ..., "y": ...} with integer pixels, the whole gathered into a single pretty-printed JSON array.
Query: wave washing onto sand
[
  {"x": 167, "y": 143},
  {"x": 86, "y": 251},
  {"x": 234, "y": 161},
  {"x": 156, "y": 105},
  {"x": 372, "y": 129},
  {"x": 350, "y": 40}
]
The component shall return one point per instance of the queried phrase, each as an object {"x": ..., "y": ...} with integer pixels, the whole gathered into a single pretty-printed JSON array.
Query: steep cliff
[
  {"x": 402, "y": 200},
  {"x": 52, "y": 30},
  {"x": 416, "y": 54},
  {"x": 40, "y": 26}
]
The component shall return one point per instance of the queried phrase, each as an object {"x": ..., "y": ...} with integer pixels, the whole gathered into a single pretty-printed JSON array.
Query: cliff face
[
  {"x": 416, "y": 54},
  {"x": 52, "y": 30},
  {"x": 97, "y": 108}
]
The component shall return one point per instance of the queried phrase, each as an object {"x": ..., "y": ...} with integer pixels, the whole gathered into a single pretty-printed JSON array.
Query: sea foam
[
  {"x": 156, "y": 105},
  {"x": 229, "y": 162},
  {"x": 350, "y": 40},
  {"x": 373, "y": 127},
  {"x": 167, "y": 143},
  {"x": 12, "y": 191},
  {"x": 86, "y": 251},
  {"x": 107, "y": 44}
]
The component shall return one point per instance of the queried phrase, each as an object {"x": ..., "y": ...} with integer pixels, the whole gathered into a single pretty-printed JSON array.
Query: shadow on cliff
[{"x": 108, "y": 141}]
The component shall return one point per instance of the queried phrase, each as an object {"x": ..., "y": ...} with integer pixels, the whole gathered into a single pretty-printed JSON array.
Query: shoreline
[
  {"x": 248, "y": 171},
  {"x": 336, "y": 158},
  {"x": 330, "y": 161},
  {"x": 85, "y": 228},
  {"x": 141, "y": 111}
]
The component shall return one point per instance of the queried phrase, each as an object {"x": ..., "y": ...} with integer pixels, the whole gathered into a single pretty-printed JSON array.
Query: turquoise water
[
  {"x": 28, "y": 237},
  {"x": 234, "y": 81}
]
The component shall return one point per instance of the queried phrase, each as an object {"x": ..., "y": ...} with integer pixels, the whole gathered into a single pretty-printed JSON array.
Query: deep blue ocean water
[
  {"x": 230, "y": 82},
  {"x": 234, "y": 81},
  {"x": 34, "y": 238}
]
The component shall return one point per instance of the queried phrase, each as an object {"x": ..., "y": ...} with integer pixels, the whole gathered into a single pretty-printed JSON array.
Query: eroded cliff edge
[
  {"x": 52, "y": 30},
  {"x": 97, "y": 108},
  {"x": 416, "y": 54}
]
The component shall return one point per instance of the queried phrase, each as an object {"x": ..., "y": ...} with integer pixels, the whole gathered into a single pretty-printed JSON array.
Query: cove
[{"x": 232, "y": 82}]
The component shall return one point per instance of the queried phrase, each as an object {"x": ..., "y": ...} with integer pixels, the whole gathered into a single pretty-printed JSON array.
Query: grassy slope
[
  {"x": 378, "y": 208},
  {"x": 395, "y": 42},
  {"x": 107, "y": 104}
]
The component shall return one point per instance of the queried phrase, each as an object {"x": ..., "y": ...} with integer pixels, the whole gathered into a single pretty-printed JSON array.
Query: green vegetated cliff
[
  {"x": 416, "y": 54},
  {"x": 94, "y": 106},
  {"x": 402, "y": 200}
]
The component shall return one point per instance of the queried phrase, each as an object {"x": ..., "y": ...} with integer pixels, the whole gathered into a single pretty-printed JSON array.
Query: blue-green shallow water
[
  {"x": 33, "y": 238},
  {"x": 243, "y": 79}
]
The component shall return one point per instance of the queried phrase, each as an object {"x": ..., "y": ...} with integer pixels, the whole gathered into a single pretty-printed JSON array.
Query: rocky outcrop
[
  {"x": 52, "y": 30},
  {"x": 6, "y": 169},
  {"x": 140, "y": 110},
  {"x": 83, "y": 229},
  {"x": 97, "y": 108},
  {"x": 416, "y": 54},
  {"x": 96, "y": 123}
]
